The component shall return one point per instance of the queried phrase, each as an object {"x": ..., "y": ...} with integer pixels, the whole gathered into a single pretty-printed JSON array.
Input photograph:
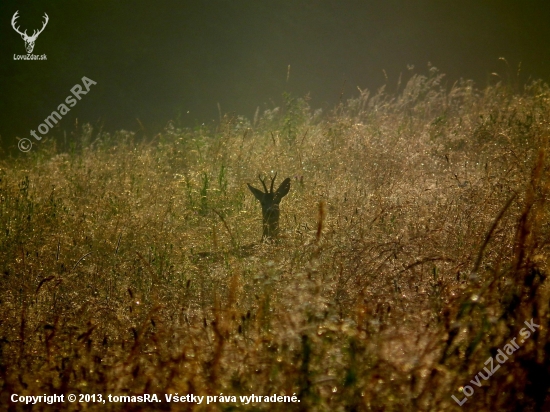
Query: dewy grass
[{"x": 412, "y": 245}]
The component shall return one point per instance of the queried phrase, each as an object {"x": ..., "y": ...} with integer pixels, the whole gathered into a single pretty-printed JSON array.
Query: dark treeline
[{"x": 189, "y": 61}]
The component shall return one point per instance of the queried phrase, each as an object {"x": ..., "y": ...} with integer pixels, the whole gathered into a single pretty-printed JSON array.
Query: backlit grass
[{"x": 413, "y": 245}]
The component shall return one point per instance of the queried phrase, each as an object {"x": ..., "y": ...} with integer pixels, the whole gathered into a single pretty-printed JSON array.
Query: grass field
[{"x": 414, "y": 244}]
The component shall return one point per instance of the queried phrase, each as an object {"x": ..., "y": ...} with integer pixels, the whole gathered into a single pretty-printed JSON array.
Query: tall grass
[{"x": 414, "y": 245}]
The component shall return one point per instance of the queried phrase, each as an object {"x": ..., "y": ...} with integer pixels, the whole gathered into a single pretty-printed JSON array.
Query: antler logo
[{"x": 29, "y": 40}]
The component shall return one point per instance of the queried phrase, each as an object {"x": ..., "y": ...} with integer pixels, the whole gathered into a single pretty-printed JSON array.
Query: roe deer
[
  {"x": 270, "y": 212},
  {"x": 270, "y": 205}
]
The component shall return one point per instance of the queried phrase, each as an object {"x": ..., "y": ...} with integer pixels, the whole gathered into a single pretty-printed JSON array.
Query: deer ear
[
  {"x": 258, "y": 194},
  {"x": 282, "y": 191}
]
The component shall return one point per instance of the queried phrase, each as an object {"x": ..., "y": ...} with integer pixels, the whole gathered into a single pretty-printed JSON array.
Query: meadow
[{"x": 413, "y": 246}]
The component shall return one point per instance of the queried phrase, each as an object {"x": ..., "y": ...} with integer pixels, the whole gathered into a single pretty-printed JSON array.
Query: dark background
[{"x": 158, "y": 60}]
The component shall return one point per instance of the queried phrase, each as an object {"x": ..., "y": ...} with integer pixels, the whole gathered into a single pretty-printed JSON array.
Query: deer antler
[
  {"x": 13, "y": 19},
  {"x": 47, "y": 19},
  {"x": 263, "y": 182},
  {"x": 272, "y": 181},
  {"x": 35, "y": 32}
]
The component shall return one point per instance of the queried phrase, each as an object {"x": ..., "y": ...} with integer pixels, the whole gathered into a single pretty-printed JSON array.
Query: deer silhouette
[
  {"x": 29, "y": 40},
  {"x": 270, "y": 205},
  {"x": 270, "y": 212}
]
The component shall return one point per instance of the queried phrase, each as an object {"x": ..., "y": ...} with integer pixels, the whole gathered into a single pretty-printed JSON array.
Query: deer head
[
  {"x": 270, "y": 205},
  {"x": 29, "y": 40}
]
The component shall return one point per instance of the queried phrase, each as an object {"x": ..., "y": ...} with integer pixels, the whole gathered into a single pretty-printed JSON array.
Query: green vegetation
[{"x": 414, "y": 244}]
